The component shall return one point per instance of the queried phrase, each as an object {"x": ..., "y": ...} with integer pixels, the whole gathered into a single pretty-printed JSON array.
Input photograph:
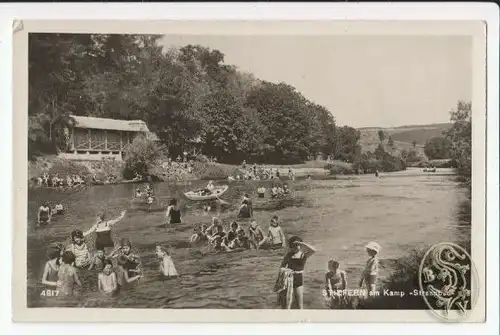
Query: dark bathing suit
[
  {"x": 175, "y": 216},
  {"x": 296, "y": 264},
  {"x": 103, "y": 239}
]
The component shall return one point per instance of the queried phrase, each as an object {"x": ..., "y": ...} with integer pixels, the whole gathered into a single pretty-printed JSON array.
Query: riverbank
[{"x": 53, "y": 165}]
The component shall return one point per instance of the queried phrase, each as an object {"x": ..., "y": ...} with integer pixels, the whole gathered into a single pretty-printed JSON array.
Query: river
[{"x": 401, "y": 211}]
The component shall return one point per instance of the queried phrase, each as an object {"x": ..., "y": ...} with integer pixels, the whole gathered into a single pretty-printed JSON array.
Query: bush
[
  {"x": 141, "y": 156},
  {"x": 339, "y": 169},
  {"x": 214, "y": 171}
]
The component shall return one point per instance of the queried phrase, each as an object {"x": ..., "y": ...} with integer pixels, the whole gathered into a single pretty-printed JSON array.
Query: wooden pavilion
[{"x": 94, "y": 138}]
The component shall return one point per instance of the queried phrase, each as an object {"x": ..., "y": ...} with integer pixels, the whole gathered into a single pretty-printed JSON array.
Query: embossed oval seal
[{"x": 448, "y": 281}]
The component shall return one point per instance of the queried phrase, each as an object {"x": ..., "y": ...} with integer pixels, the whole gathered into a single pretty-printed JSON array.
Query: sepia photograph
[{"x": 249, "y": 171}]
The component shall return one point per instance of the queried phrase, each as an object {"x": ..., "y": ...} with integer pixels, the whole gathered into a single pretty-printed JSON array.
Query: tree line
[{"x": 184, "y": 95}]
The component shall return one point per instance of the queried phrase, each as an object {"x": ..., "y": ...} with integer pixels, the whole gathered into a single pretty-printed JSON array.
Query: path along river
[{"x": 401, "y": 211}]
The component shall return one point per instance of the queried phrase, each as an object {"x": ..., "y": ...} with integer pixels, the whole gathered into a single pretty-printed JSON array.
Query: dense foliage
[
  {"x": 438, "y": 148},
  {"x": 460, "y": 135},
  {"x": 182, "y": 94},
  {"x": 141, "y": 156}
]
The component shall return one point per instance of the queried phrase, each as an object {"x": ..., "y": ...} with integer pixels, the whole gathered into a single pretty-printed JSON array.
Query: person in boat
[
  {"x": 173, "y": 213},
  {"x": 102, "y": 228},
  {"x": 44, "y": 215},
  {"x": 208, "y": 189},
  {"x": 51, "y": 269},
  {"x": 255, "y": 233},
  {"x": 275, "y": 238},
  {"x": 261, "y": 191},
  {"x": 295, "y": 260}
]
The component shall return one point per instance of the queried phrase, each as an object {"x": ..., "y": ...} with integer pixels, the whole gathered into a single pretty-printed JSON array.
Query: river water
[{"x": 401, "y": 211}]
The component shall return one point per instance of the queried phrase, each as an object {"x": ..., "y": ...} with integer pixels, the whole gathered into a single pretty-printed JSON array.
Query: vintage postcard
[{"x": 250, "y": 171}]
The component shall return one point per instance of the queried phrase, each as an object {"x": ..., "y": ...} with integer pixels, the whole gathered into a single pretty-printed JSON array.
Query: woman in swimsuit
[
  {"x": 295, "y": 260},
  {"x": 103, "y": 231},
  {"x": 44, "y": 215},
  {"x": 51, "y": 270},
  {"x": 173, "y": 214}
]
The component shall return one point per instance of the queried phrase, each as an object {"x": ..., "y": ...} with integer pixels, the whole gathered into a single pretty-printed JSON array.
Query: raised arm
[
  {"x": 308, "y": 249},
  {"x": 90, "y": 231},
  {"x": 118, "y": 219}
]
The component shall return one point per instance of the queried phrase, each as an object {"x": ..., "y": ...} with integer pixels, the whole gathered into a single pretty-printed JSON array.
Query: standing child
[
  {"x": 370, "y": 273},
  {"x": 167, "y": 267},
  {"x": 336, "y": 281},
  {"x": 275, "y": 237},
  {"x": 67, "y": 277},
  {"x": 106, "y": 279},
  {"x": 123, "y": 277}
]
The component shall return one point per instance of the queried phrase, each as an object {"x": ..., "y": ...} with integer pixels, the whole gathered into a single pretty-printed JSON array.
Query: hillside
[{"x": 403, "y": 136}]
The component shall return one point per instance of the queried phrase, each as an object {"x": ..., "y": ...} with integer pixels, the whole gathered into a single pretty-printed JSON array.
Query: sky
[{"x": 365, "y": 81}]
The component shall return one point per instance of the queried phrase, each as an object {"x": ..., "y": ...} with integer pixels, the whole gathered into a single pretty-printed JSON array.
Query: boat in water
[
  {"x": 430, "y": 170},
  {"x": 199, "y": 196}
]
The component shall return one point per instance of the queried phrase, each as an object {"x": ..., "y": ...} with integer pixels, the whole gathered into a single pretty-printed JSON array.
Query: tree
[
  {"x": 380, "y": 152},
  {"x": 348, "y": 147},
  {"x": 390, "y": 142},
  {"x": 460, "y": 135},
  {"x": 381, "y": 135},
  {"x": 438, "y": 148}
]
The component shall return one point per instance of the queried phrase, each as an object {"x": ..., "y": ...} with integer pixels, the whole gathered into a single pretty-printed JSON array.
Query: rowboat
[
  {"x": 430, "y": 170},
  {"x": 216, "y": 193}
]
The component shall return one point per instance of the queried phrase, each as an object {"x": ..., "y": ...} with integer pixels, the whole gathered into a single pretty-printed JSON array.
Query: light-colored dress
[{"x": 167, "y": 267}]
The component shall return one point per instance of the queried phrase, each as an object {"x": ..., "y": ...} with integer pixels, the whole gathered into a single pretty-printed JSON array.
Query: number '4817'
[{"x": 49, "y": 293}]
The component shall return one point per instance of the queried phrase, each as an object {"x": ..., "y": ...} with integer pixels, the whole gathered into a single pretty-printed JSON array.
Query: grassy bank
[{"x": 201, "y": 170}]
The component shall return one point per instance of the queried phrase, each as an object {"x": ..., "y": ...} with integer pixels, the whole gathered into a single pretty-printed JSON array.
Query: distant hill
[{"x": 403, "y": 136}]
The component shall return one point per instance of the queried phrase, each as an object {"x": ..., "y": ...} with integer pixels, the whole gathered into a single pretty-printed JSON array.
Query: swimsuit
[
  {"x": 81, "y": 253},
  {"x": 175, "y": 216},
  {"x": 44, "y": 215},
  {"x": 103, "y": 236},
  {"x": 297, "y": 265}
]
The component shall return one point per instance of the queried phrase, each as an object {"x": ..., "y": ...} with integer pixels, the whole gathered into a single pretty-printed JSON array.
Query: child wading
[
  {"x": 79, "y": 249},
  {"x": 67, "y": 277},
  {"x": 106, "y": 279},
  {"x": 167, "y": 267},
  {"x": 132, "y": 262},
  {"x": 336, "y": 282}
]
